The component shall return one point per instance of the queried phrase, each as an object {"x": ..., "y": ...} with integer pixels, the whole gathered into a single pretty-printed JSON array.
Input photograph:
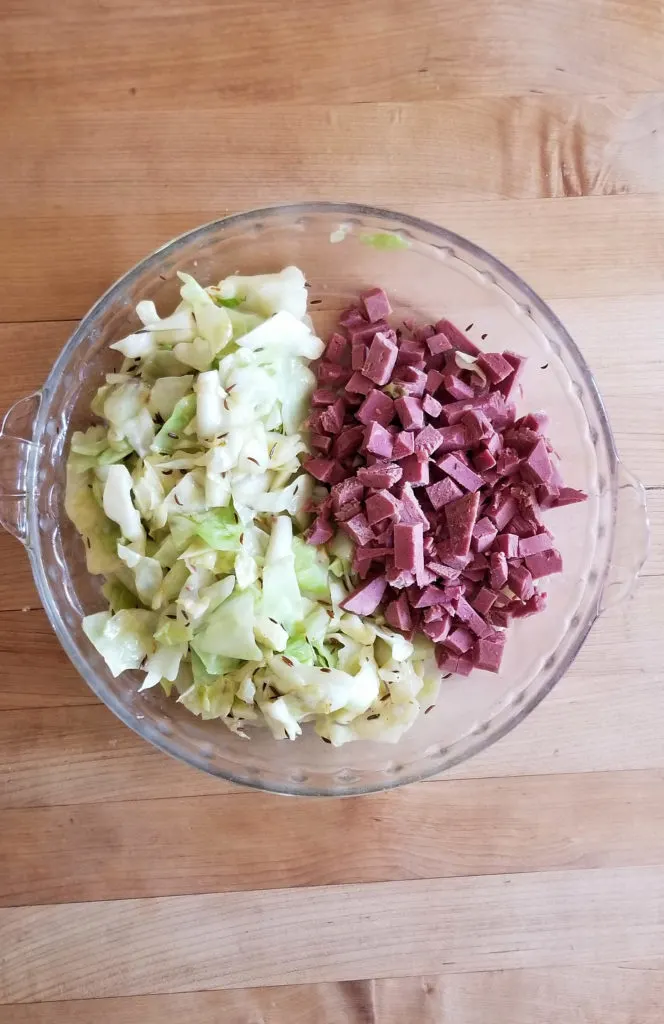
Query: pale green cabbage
[{"x": 192, "y": 501}]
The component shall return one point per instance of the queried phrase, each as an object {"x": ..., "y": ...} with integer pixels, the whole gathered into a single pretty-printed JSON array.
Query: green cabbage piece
[
  {"x": 170, "y": 434},
  {"x": 229, "y": 630}
]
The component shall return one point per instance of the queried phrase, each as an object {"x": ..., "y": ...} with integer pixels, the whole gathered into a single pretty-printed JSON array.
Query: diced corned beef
[
  {"x": 538, "y": 421},
  {"x": 325, "y": 470},
  {"x": 321, "y": 442},
  {"x": 380, "y": 476},
  {"x": 363, "y": 557},
  {"x": 464, "y": 665},
  {"x": 332, "y": 418},
  {"x": 386, "y": 535},
  {"x": 397, "y": 614},
  {"x": 381, "y": 506},
  {"x": 535, "y": 604},
  {"x": 399, "y": 578},
  {"x": 457, "y": 337},
  {"x": 404, "y": 445},
  {"x": 438, "y": 629},
  {"x": 424, "y": 576},
  {"x": 348, "y": 442},
  {"x": 438, "y": 343},
  {"x": 411, "y": 353},
  {"x": 470, "y": 618},
  {"x": 358, "y": 529},
  {"x": 431, "y": 407},
  {"x": 360, "y": 384},
  {"x": 508, "y": 543},
  {"x": 410, "y": 510},
  {"x": 446, "y": 661},
  {"x": 376, "y": 406},
  {"x": 452, "y": 438},
  {"x": 484, "y": 534},
  {"x": 323, "y": 396},
  {"x": 495, "y": 366},
  {"x": 461, "y": 516},
  {"x": 507, "y": 462},
  {"x": 487, "y": 654},
  {"x": 408, "y": 551},
  {"x": 569, "y": 496},
  {"x": 333, "y": 374},
  {"x": 358, "y": 355},
  {"x": 430, "y": 596},
  {"x": 443, "y": 492},
  {"x": 376, "y": 304},
  {"x": 483, "y": 461},
  {"x": 456, "y": 387},
  {"x": 443, "y": 571},
  {"x": 365, "y": 332},
  {"x": 484, "y": 601},
  {"x": 350, "y": 316},
  {"x": 412, "y": 379},
  {"x": 509, "y": 385},
  {"x": 478, "y": 427},
  {"x": 445, "y": 555},
  {"x": 378, "y": 441},
  {"x": 480, "y": 444},
  {"x": 537, "y": 466},
  {"x": 365, "y": 599},
  {"x": 500, "y": 617},
  {"x": 520, "y": 581},
  {"x": 434, "y": 381},
  {"x": 321, "y": 531},
  {"x": 337, "y": 349},
  {"x": 492, "y": 405},
  {"x": 498, "y": 570},
  {"x": 422, "y": 331},
  {"x": 505, "y": 508},
  {"x": 460, "y": 641},
  {"x": 532, "y": 545},
  {"x": 409, "y": 411},
  {"x": 462, "y": 474},
  {"x": 415, "y": 471},
  {"x": 348, "y": 511},
  {"x": 427, "y": 441},
  {"x": 350, "y": 489},
  {"x": 380, "y": 360},
  {"x": 429, "y": 545},
  {"x": 522, "y": 439},
  {"x": 544, "y": 563},
  {"x": 494, "y": 444}
]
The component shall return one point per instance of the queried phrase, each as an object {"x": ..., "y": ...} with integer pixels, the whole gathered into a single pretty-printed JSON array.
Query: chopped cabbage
[{"x": 192, "y": 502}]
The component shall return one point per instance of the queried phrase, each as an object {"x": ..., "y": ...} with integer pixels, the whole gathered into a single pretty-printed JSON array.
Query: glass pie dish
[{"x": 429, "y": 273}]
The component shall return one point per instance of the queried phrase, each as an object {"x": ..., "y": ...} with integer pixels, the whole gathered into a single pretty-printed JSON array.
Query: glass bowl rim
[{"x": 395, "y": 220}]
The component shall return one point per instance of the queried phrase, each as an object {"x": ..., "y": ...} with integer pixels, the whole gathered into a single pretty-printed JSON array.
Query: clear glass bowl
[{"x": 428, "y": 272}]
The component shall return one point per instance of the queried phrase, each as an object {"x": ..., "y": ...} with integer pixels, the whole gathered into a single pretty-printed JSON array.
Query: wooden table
[{"x": 527, "y": 886}]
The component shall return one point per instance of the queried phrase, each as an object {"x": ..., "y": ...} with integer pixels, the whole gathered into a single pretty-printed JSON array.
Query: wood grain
[
  {"x": 208, "y": 844},
  {"x": 126, "y": 54},
  {"x": 591, "y": 722},
  {"x": 341, "y": 933},
  {"x": 634, "y": 994},
  {"x": 504, "y": 148},
  {"x": 525, "y": 886},
  {"x": 564, "y": 249}
]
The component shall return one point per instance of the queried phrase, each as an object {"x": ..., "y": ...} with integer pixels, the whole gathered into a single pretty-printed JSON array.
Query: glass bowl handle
[
  {"x": 630, "y": 542},
  {"x": 16, "y": 447}
]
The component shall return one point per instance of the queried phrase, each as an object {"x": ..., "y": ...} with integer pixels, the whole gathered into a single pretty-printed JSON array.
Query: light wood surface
[{"x": 525, "y": 887}]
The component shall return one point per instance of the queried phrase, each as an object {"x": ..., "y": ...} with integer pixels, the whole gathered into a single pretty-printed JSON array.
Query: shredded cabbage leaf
[{"x": 189, "y": 493}]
